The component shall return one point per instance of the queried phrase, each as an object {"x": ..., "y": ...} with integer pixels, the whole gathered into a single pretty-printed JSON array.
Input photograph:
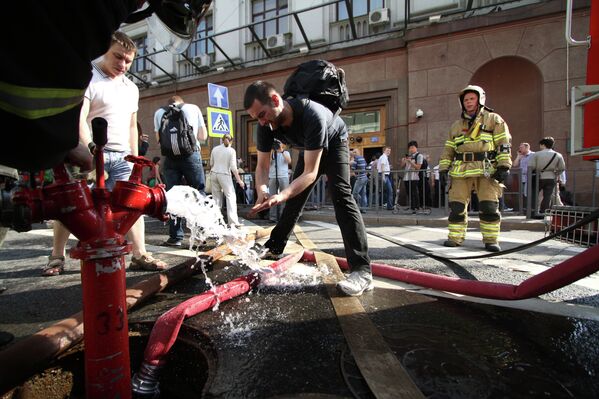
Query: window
[
  {"x": 266, "y": 9},
  {"x": 367, "y": 121},
  {"x": 200, "y": 44},
  {"x": 359, "y": 7},
  {"x": 141, "y": 64}
]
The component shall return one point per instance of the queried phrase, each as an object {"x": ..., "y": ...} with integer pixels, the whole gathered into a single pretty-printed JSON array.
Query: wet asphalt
[{"x": 281, "y": 341}]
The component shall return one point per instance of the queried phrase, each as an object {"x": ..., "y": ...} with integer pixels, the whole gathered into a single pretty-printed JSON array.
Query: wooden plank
[{"x": 381, "y": 369}]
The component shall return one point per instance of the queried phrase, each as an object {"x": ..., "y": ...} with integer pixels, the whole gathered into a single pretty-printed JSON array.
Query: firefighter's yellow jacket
[{"x": 479, "y": 149}]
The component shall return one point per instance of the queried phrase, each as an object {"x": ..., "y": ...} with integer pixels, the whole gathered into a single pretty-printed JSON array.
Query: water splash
[{"x": 205, "y": 221}]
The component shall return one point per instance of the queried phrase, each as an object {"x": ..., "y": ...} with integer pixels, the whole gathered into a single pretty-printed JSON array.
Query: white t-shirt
[
  {"x": 192, "y": 113},
  {"x": 115, "y": 100},
  {"x": 223, "y": 160},
  {"x": 383, "y": 164}
]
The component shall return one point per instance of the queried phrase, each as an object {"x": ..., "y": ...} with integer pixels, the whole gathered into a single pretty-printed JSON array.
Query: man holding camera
[
  {"x": 278, "y": 176},
  {"x": 412, "y": 163}
]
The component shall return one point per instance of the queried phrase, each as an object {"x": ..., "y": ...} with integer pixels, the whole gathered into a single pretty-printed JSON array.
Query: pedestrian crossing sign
[{"x": 220, "y": 122}]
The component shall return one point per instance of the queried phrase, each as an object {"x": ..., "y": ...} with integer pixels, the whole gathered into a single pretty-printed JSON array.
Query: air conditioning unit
[
  {"x": 275, "y": 42},
  {"x": 146, "y": 77},
  {"x": 379, "y": 16},
  {"x": 202, "y": 61}
]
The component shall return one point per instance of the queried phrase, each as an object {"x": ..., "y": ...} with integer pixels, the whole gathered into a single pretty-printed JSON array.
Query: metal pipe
[{"x": 568, "y": 31}]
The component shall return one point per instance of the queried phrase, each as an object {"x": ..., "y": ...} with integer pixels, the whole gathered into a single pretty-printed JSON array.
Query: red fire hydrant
[{"x": 99, "y": 219}]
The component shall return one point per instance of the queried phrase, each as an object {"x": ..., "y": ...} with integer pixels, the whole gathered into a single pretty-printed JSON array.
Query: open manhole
[{"x": 186, "y": 373}]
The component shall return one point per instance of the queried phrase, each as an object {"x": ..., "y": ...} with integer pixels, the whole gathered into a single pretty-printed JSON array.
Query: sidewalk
[{"x": 437, "y": 218}]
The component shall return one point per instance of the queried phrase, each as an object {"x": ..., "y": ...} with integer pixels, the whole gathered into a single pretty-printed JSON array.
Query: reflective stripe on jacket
[
  {"x": 488, "y": 132},
  {"x": 35, "y": 103}
]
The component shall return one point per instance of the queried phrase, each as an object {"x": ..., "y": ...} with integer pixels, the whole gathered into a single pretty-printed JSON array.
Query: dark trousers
[
  {"x": 175, "y": 169},
  {"x": 547, "y": 186},
  {"x": 335, "y": 164},
  {"x": 412, "y": 193},
  {"x": 388, "y": 195}
]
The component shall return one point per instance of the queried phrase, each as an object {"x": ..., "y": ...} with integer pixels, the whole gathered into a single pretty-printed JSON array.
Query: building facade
[{"x": 399, "y": 57}]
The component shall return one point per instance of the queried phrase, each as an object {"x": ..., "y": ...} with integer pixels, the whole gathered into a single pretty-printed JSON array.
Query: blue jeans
[
  {"x": 174, "y": 170},
  {"x": 335, "y": 164},
  {"x": 359, "y": 191},
  {"x": 388, "y": 192},
  {"x": 116, "y": 167}
]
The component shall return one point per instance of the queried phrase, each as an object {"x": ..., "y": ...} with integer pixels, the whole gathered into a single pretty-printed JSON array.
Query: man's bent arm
[{"x": 308, "y": 176}]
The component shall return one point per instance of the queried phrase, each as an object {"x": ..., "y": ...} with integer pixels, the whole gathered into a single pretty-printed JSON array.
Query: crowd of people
[{"x": 474, "y": 164}]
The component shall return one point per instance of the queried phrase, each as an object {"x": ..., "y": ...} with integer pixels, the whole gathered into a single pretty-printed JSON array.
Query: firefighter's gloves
[{"x": 501, "y": 174}]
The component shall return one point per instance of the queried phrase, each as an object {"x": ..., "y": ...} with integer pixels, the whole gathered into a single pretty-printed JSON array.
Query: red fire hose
[
  {"x": 165, "y": 330},
  {"x": 567, "y": 272}
]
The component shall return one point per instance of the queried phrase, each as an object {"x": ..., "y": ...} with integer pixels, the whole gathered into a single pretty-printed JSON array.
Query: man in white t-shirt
[
  {"x": 112, "y": 96},
  {"x": 223, "y": 162},
  {"x": 384, "y": 168},
  {"x": 175, "y": 168}
]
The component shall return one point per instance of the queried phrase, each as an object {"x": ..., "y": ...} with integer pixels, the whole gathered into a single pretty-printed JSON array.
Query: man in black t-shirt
[{"x": 322, "y": 135}]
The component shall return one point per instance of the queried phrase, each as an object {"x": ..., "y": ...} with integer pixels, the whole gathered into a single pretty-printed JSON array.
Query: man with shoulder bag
[
  {"x": 547, "y": 166},
  {"x": 179, "y": 127}
]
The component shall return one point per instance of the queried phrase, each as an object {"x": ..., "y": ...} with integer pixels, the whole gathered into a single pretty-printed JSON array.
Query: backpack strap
[{"x": 549, "y": 163}]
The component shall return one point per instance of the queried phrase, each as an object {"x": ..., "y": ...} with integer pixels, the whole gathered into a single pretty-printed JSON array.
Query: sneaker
[
  {"x": 172, "y": 242},
  {"x": 492, "y": 247},
  {"x": 451, "y": 244},
  {"x": 356, "y": 283},
  {"x": 267, "y": 253}
]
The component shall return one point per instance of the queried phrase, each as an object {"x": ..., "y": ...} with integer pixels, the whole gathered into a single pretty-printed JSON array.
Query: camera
[{"x": 276, "y": 145}]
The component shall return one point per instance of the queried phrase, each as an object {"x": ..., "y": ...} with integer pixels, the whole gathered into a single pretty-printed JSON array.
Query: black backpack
[
  {"x": 320, "y": 81},
  {"x": 176, "y": 135}
]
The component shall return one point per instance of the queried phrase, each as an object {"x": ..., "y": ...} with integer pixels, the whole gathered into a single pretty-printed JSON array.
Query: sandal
[
  {"x": 54, "y": 267},
  {"x": 147, "y": 262}
]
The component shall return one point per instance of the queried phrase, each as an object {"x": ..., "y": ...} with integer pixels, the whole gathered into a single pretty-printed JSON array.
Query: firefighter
[
  {"x": 42, "y": 80},
  {"x": 477, "y": 157}
]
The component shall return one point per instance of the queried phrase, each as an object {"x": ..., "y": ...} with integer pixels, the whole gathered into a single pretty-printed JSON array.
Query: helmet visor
[{"x": 175, "y": 42}]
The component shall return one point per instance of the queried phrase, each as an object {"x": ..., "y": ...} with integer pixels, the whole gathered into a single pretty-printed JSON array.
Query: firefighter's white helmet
[{"x": 482, "y": 97}]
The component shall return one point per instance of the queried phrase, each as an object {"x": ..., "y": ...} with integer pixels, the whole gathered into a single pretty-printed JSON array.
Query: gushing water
[{"x": 204, "y": 220}]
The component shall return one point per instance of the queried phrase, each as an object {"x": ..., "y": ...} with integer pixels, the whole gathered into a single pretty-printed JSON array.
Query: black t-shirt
[{"x": 314, "y": 126}]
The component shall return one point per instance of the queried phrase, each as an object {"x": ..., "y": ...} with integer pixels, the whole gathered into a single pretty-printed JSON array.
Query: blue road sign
[
  {"x": 220, "y": 122},
  {"x": 218, "y": 96}
]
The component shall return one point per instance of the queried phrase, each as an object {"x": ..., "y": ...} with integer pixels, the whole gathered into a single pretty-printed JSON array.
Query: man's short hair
[
  {"x": 259, "y": 90},
  {"x": 547, "y": 142},
  {"x": 124, "y": 40},
  {"x": 525, "y": 145},
  {"x": 413, "y": 143},
  {"x": 227, "y": 136},
  {"x": 175, "y": 100}
]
